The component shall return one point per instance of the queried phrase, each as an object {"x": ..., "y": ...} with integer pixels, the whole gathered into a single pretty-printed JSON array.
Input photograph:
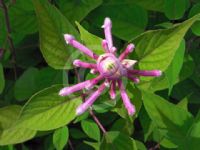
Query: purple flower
[{"x": 110, "y": 69}]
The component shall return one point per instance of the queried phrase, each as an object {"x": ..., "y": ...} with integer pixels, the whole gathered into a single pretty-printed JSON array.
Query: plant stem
[
  {"x": 11, "y": 45},
  {"x": 97, "y": 122},
  {"x": 157, "y": 146},
  {"x": 70, "y": 144},
  {"x": 91, "y": 111}
]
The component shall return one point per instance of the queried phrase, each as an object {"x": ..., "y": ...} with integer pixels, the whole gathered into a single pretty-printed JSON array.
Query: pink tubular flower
[{"x": 109, "y": 67}]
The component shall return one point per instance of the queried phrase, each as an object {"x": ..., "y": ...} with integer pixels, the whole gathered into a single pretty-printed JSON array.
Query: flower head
[{"x": 109, "y": 68}]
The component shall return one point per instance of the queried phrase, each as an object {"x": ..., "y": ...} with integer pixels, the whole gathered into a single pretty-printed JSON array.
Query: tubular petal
[
  {"x": 113, "y": 90},
  {"x": 127, "y": 51},
  {"x": 82, "y": 64},
  {"x": 134, "y": 79},
  {"x": 107, "y": 31},
  {"x": 83, "y": 107},
  {"x": 93, "y": 82},
  {"x": 68, "y": 90},
  {"x": 105, "y": 46},
  {"x": 130, "y": 107},
  {"x": 155, "y": 73},
  {"x": 71, "y": 40}
]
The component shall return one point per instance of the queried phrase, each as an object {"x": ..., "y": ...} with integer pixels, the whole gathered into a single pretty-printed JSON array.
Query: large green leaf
[
  {"x": 173, "y": 120},
  {"x": 47, "y": 110},
  {"x": 195, "y": 10},
  {"x": 122, "y": 19},
  {"x": 193, "y": 136},
  {"x": 12, "y": 134},
  {"x": 26, "y": 22},
  {"x": 22, "y": 21},
  {"x": 118, "y": 141},
  {"x": 60, "y": 137},
  {"x": 174, "y": 68},
  {"x": 2, "y": 80},
  {"x": 52, "y": 25},
  {"x": 174, "y": 9},
  {"x": 25, "y": 86},
  {"x": 34, "y": 80},
  {"x": 91, "y": 129},
  {"x": 77, "y": 10},
  {"x": 162, "y": 83},
  {"x": 90, "y": 40},
  {"x": 156, "y": 49},
  {"x": 157, "y": 5}
]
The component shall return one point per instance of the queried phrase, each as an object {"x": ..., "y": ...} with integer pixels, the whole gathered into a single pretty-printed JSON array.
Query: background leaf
[
  {"x": 60, "y": 137},
  {"x": 52, "y": 25},
  {"x": 174, "y": 68},
  {"x": 195, "y": 10},
  {"x": 118, "y": 141},
  {"x": 123, "y": 19},
  {"x": 153, "y": 53},
  {"x": 46, "y": 110},
  {"x": 174, "y": 9},
  {"x": 173, "y": 120},
  {"x": 91, "y": 41},
  {"x": 12, "y": 134},
  {"x": 68, "y": 7},
  {"x": 91, "y": 129}
]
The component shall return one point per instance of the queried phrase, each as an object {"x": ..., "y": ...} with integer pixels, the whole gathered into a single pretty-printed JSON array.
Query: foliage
[{"x": 32, "y": 46}]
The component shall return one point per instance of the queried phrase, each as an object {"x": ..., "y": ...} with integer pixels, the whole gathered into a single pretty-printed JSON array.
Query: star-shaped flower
[{"x": 110, "y": 69}]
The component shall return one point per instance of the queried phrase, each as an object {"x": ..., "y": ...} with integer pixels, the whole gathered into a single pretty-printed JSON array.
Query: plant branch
[
  {"x": 157, "y": 146},
  {"x": 70, "y": 144},
  {"x": 91, "y": 111},
  {"x": 8, "y": 28}
]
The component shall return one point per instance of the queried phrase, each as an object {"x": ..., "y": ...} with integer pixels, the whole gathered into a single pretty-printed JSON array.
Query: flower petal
[
  {"x": 155, "y": 73},
  {"x": 82, "y": 64},
  {"x": 71, "y": 40},
  {"x": 68, "y": 90},
  {"x": 129, "y": 106},
  {"x": 107, "y": 31},
  {"x": 83, "y": 107}
]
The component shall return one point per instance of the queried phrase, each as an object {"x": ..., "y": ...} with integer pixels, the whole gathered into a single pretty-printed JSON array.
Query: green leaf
[
  {"x": 12, "y": 134},
  {"x": 82, "y": 8},
  {"x": 91, "y": 129},
  {"x": 196, "y": 26},
  {"x": 34, "y": 80},
  {"x": 123, "y": 19},
  {"x": 93, "y": 144},
  {"x": 25, "y": 86},
  {"x": 156, "y": 49},
  {"x": 117, "y": 141},
  {"x": 171, "y": 119},
  {"x": 186, "y": 88},
  {"x": 157, "y": 5},
  {"x": 46, "y": 110},
  {"x": 26, "y": 22},
  {"x": 122, "y": 125},
  {"x": 52, "y": 25},
  {"x": 174, "y": 68},
  {"x": 60, "y": 137},
  {"x": 175, "y": 9},
  {"x": 2, "y": 80},
  {"x": 91, "y": 41},
  {"x": 76, "y": 133}
]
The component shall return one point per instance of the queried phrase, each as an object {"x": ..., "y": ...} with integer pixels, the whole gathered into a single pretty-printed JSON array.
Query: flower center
[{"x": 109, "y": 66}]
